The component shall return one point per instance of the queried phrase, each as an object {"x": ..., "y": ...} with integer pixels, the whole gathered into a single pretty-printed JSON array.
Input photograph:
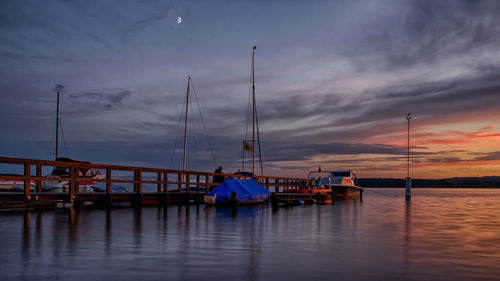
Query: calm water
[{"x": 444, "y": 234}]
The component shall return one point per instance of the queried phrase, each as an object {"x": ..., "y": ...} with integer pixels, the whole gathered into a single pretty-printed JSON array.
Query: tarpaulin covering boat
[{"x": 237, "y": 191}]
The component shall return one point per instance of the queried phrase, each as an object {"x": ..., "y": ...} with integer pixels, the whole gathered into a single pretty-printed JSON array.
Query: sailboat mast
[
  {"x": 57, "y": 126},
  {"x": 186, "y": 124},
  {"x": 253, "y": 112}
]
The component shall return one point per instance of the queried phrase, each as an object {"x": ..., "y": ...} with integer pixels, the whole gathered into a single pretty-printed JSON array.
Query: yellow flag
[{"x": 247, "y": 147}]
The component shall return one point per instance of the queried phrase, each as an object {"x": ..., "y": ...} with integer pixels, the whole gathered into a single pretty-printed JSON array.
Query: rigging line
[
  {"x": 52, "y": 134},
  {"x": 204, "y": 124},
  {"x": 61, "y": 126},
  {"x": 249, "y": 103},
  {"x": 258, "y": 141},
  {"x": 64, "y": 139},
  {"x": 177, "y": 133},
  {"x": 192, "y": 133},
  {"x": 248, "y": 117}
]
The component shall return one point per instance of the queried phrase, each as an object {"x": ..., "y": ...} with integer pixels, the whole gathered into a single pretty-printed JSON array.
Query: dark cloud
[
  {"x": 436, "y": 160},
  {"x": 100, "y": 100},
  {"x": 487, "y": 156},
  {"x": 383, "y": 107},
  {"x": 20, "y": 56},
  {"x": 413, "y": 33},
  {"x": 155, "y": 16},
  {"x": 288, "y": 151}
]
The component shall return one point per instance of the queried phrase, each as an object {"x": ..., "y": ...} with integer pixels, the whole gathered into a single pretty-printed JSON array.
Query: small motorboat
[{"x": 343, "y": 183}]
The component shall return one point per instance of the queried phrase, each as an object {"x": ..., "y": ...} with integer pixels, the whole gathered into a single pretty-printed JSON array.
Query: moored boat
[
  {"x": 63, "y": 172},
  {"x": 343, "y": 183},
  {"x": 58, "y": 179},
  {"x": 237, "y": 192}
]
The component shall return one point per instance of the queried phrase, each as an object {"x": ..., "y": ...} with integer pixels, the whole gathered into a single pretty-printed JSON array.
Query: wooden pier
[{"x": 146, "y": 185}]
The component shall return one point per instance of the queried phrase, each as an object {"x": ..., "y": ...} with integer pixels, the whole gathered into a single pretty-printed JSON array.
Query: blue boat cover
[{"x": 246, "y": 190}]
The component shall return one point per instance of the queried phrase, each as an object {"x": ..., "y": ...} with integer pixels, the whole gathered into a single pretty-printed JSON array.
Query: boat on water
[
  {"x": 61, "y": 173},
  {"x": 13, "y": 185},
  {"x": 246, "y": 190},
  {"x": 237, "y": 192},
  {"x": 343, "y": 183}
]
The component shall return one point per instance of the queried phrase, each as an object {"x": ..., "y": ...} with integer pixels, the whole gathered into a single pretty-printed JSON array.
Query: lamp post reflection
[{"x": 407, "y": 236}]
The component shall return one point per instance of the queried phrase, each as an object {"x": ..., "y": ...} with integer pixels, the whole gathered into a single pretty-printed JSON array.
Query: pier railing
[{"x": 31, "y": 184}]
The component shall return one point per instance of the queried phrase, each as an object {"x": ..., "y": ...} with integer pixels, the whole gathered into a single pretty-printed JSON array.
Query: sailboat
[
  {"x": 185, "y": 115},
  {"x": 58, "y": 171},
  {"x": 243, "y": 191},
  {"x": 63, "y": 172}
]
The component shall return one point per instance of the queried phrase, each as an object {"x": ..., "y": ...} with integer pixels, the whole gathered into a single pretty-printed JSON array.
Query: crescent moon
[{"x": 179, "y": 20}]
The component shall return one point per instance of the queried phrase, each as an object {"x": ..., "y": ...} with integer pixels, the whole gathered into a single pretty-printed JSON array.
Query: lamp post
[{"x": 408, "y": 179}]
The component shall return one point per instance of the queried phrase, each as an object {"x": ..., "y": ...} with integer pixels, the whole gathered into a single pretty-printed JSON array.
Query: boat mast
[
  {"x": 57, "y": 125},
  {"x": 185, "y": 124},
  {"x": 253, "y": 112}
]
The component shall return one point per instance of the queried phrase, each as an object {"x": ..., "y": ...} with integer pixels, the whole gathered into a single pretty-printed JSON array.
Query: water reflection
[
  {"x": 108, "y": 232},
  {"x": 438, "y": 235},
  {"x": 26, "y": 232},
  {"x": 407, "y": 236}
]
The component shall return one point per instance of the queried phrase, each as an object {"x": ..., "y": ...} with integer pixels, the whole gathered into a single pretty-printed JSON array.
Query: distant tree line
[{"x": 471, "y": 182}]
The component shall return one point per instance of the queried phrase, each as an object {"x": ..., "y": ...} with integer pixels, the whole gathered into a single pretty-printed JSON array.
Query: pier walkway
[{"x": 137, "y": 185}]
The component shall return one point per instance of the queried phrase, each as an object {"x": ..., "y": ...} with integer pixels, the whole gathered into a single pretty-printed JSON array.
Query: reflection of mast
[
  {"x": 407, "y": 236},
  {"x": 57, "y": 124},
  {"x": 185, "y": 124}
]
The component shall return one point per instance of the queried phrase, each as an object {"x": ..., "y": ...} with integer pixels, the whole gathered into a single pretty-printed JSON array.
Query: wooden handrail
[{"x": 139, "y": 176}]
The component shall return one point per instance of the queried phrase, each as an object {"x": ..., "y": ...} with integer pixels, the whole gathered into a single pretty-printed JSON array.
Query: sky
[{"x": 335, "y": 81}]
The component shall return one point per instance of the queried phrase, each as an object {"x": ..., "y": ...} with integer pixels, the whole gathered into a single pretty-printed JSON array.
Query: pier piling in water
[
  {"x": 408, "y": 189},
  {"x": 408, "y": 179}
]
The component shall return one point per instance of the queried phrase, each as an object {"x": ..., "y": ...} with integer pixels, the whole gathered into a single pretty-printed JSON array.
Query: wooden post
[
  {"x": 38, "y": 174},
  {"x": 276, "y": 185},
  {"x": 108, "y": 181},
  {"x": 267, "y": 183},
  {"x": 158, "y": 178},
  {"x": 138, "y": 181},
  {"x": 109, "y": 199},
  {"x": 165, "y": 187},
  {"x": 138, "y": 186},
  {"x": 197, "y": 196},
  {"x": 72, "y": 184},
  {"x": 197, "y": 184},
  {"x": 179, "y": 181},
  {"x": 207, "y": 185},
  {"x": 165, "y": 182},
  {"x": 187, "y": 196},
  {"x": 27, "y": 180}
]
